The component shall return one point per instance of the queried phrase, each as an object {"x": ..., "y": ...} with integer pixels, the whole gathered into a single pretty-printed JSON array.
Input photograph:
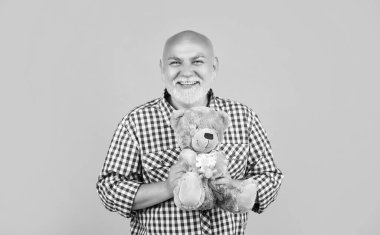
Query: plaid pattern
[{"x": 143, "y": 149}]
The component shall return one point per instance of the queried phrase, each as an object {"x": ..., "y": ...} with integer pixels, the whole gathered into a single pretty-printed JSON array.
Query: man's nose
[
  {"x": 187, "y": 71},
  {"x": 209, "y": 136}
]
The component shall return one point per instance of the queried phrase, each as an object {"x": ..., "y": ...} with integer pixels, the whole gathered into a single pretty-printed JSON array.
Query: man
[{"x": 140, "y": 169}]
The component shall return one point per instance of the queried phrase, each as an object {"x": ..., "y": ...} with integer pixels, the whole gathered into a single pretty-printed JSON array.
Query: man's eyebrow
[
  {"x": 193, "y": 58},
  {"x": 198, "y": 56},
  {"x": 173, "y": 58}
]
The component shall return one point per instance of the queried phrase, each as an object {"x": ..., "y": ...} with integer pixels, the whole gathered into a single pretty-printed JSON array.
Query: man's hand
[
  {"x": 154, "y": 193},
  {"x": 225, "y": 181},
  {"x": 176, "y": 172}
]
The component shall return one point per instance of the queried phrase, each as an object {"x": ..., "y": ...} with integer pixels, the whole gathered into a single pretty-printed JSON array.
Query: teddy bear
[
  {"x": 198, "y": 131},
  {"x": 236, "y": 197}
]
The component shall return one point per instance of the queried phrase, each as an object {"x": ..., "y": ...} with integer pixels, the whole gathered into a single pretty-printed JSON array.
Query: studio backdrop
[{"x": 70, "y": 70}]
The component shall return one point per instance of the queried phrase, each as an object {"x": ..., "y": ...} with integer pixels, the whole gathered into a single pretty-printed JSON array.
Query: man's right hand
[
  {"x": 175, "y": 173},
  {"x": 154, "y": 193}
]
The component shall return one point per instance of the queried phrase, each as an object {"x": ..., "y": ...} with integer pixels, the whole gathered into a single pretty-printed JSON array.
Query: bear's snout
[
  {"x": 209, "y": 136},
  {"x": 204, "y": 140}
]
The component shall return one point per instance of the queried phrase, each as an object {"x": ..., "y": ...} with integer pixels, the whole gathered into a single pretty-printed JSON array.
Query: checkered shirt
[{"x": 143, "y": 149}]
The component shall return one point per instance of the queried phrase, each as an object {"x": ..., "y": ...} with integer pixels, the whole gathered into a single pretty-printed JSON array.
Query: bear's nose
[{"x": 209, "y": 136}]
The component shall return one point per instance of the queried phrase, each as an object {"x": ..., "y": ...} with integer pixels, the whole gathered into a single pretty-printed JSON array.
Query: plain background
[{"x": 70, "y": 70}]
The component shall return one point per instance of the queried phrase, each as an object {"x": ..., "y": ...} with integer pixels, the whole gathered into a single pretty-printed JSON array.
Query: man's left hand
[{"x": 225, "y": 180}]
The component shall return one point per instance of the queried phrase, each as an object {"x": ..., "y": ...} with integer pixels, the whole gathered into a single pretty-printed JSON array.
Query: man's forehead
[{"x": 185, "y": 41}]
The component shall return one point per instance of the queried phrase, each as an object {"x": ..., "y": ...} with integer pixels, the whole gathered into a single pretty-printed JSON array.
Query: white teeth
[{"x": 187, "y": 83}]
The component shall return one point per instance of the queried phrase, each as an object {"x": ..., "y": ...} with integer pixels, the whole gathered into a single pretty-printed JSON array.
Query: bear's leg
[
  {"x": 237, "y": 198},
  {"x": 247, "y": 196},
  {"x": 209, "y": 201},
  {"x": 189, "y": 193}
]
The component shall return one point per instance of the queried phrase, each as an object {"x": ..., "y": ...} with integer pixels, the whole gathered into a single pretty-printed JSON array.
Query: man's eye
[
  {"x": 198, "y": 62},
  {"x": 174, "y": 63}
]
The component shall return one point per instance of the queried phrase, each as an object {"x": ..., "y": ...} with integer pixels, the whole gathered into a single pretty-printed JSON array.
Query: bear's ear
[
  {"x": 225, "y": 119},
  {"x": 175, "y": 117}
]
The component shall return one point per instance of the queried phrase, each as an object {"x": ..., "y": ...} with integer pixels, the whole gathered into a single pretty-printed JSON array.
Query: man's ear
[
  {"x": 175, "y": 117},
  {"x": 225, "y": 119},
  {"x": 160, "y": 65},
  {"x": 215, "y": 68},
  {"x": 215, "y": 64},
  {"x": 161, "y": 69}
]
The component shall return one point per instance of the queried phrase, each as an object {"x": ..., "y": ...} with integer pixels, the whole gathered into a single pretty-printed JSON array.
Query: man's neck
[{"x": 180, "y": 105}]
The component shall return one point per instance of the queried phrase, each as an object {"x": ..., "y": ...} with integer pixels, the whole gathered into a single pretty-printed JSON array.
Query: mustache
[
  {"x": 178, "y": 78},
  {"x": 192, "y": 79}
]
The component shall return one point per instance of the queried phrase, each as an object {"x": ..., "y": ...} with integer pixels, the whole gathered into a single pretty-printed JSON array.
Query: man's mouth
[{"x": 187, "y": 84}]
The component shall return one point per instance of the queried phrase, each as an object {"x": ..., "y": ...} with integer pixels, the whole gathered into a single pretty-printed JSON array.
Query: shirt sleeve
[
  {"x": 261, "y": 166},
  {"x": 120, "y": 177}
]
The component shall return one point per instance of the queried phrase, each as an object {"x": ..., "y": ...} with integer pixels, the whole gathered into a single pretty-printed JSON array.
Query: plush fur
[
  {"x": 199, "y": 128},
  {"x": 198, "y": 131}
]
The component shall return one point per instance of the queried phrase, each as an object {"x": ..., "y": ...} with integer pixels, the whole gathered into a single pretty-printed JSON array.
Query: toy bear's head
[{"x": 199, "y": 128}]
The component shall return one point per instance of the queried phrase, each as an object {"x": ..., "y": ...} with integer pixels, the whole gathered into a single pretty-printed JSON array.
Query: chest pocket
[
  {"x": 237, "y": 156},
  {"x": 156, "y": 165}
]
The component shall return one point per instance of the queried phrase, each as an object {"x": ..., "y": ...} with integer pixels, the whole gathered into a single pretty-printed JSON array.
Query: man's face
[{"x": 188, "y": 69}]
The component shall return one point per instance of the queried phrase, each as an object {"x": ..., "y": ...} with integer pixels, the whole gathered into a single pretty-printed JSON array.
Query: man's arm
[
  {"x": 154, "y": 193},
  {"x": 261, "y": 166},
  {"x": 120, "y": 183},
  {"x": 125, "y": 196},
  {"x": 117, "y": 192},
  {"x": 151, "y": 194},
  {"x": 120, "y": 178}
]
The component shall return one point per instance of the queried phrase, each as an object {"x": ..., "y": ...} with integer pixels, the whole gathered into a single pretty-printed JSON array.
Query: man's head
[{"x": 188, "y": 67}]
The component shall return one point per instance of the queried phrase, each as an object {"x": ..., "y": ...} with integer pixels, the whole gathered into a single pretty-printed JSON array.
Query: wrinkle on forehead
[{"x": 188, "y": 36}]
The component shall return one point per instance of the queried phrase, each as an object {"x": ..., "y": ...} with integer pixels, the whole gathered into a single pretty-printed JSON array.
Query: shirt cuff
[{"x": 125, "y": 196}]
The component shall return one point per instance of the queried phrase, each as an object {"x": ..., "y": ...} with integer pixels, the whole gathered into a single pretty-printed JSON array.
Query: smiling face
[{"x": 188, "y": 68}]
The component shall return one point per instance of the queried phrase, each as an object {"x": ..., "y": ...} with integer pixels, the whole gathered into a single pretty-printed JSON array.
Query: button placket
[{"x": 206, "y": 222}]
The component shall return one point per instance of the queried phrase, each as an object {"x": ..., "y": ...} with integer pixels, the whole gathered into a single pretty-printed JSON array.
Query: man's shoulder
[
  {"x": 233, "y": 106},
  {"x": 141, "y": 110}
]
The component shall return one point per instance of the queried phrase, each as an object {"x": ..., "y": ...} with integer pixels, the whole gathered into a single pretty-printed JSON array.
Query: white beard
[{"x": 189, "y": 96}]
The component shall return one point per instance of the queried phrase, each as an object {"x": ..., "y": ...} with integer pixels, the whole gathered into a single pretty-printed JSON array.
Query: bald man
[
  {"x": 140, "y": 169},
  {"x": 188, "y": 57}
]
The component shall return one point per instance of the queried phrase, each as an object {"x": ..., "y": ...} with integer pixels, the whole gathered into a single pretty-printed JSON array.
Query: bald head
[
  {"x": 188, "y": 36},
  {"x": 188, "y": 68}
]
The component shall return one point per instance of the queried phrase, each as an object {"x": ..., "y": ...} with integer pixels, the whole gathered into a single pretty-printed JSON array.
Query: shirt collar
[{"x": 167, "y": 108}]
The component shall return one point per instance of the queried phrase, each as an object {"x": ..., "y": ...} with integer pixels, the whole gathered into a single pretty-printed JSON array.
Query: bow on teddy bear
[{"x": 198, "y": 131}]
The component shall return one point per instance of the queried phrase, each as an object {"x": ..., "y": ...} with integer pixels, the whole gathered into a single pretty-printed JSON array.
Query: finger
[
  {"x": 216, "y": 176},
  {"x": 220, "y": 176},
  {"x": 178, "y": 170},
  {"x": 221, "y": 181},
  {"x": 180, "y": 165},
  {"x": 175, "y": 169},
  {"x": 175, "y": 179},
  {"x": 178, "y": 174}
]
